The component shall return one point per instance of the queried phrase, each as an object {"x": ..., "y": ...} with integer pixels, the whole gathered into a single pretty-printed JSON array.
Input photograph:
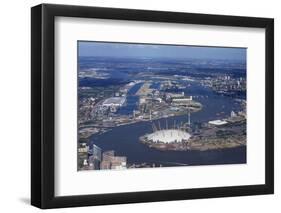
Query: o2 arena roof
[{"x": 169, "y": 136}]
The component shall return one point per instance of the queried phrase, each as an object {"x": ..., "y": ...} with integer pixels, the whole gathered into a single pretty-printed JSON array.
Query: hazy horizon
[{"x": 134, "y": 50}]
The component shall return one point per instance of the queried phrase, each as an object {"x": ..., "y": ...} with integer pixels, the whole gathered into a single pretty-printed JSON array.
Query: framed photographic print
[{"x": 140, "y": 106}]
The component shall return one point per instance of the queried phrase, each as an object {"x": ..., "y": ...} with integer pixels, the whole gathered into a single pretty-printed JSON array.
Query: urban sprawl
[{"x": 158, "y": 96}]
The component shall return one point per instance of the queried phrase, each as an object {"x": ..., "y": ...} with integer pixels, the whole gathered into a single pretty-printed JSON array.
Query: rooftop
[
  {"x": 114, "y": 101},
  {"x": 169, "y": 136}
]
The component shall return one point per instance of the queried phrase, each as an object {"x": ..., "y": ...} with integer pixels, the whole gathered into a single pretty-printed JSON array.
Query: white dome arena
[{"x": 168, "y": 136}]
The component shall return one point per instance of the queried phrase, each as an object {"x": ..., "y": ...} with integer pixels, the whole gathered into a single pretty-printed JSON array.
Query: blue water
[
  {"x": 131, "y": 101},
  {"x": 125, "y": 139},
  {"x": 155, "y": 85}
]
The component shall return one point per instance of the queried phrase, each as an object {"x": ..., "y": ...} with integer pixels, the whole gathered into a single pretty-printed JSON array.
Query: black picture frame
[{"x": 43, "y": 102}]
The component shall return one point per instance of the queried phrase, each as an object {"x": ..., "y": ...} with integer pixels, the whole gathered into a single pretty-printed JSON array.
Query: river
[{"x": 124, "y": 140}]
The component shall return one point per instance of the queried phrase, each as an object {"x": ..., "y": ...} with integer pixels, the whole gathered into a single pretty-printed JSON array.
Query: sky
[{"x": 111, "y": 49}]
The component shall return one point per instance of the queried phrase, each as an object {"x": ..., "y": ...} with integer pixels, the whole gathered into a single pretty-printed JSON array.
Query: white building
[
  {"x": 169, "y": 136},
  {"x": 114, "y": 102},
  {"x": 217, "y": 122},
  {"x": 182, "y": 100}
]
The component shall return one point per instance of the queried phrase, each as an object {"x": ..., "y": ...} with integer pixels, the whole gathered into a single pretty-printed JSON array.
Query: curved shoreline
[{"x": 188, "y": 146}]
